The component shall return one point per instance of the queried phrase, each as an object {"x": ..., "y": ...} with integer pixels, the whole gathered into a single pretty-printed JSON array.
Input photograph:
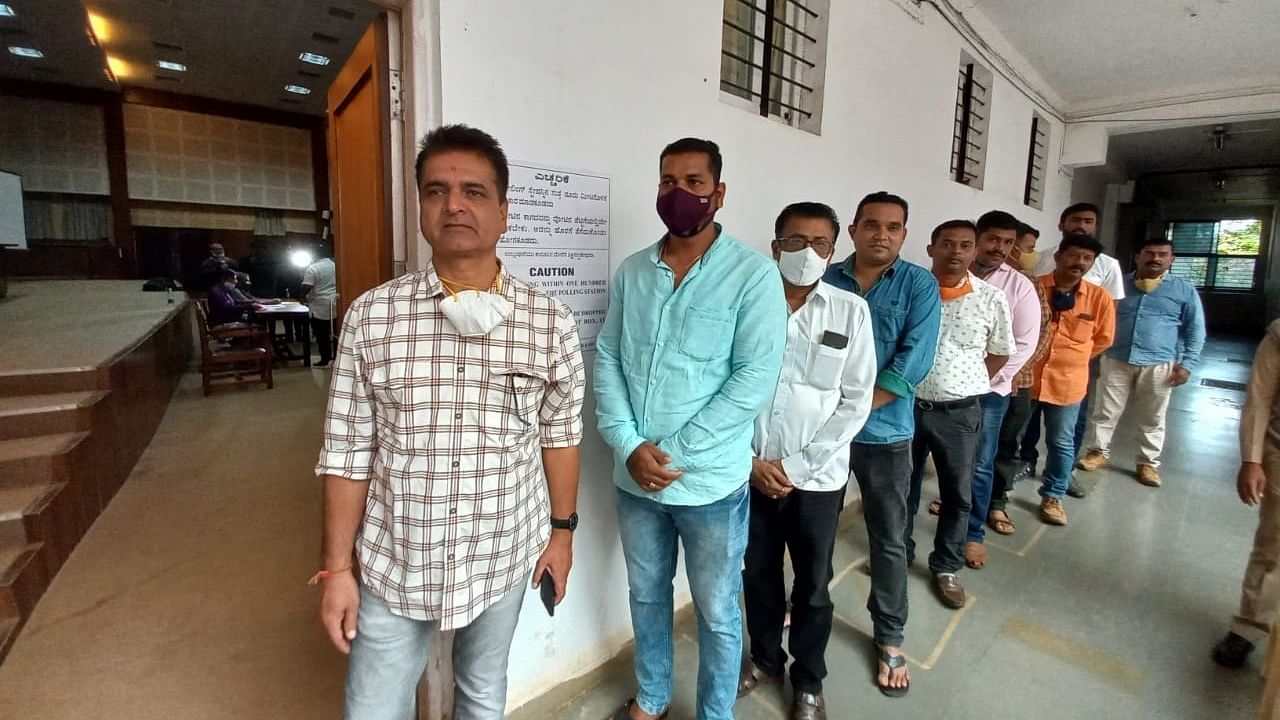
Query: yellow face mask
[
  {"x": 1027, "y": 260},
  {"x": 1148, "y": 285}
]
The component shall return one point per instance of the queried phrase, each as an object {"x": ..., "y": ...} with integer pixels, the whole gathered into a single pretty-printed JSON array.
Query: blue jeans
[
  {"x": 390, "y": 653},
  {"x": 1059, "y": 439},
  {"x": 714, "y": 537},
  {"x": 994, "y": 407}
]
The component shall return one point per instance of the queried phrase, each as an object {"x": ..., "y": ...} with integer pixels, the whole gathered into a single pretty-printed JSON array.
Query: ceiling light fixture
[
  {"x": 118, "y": 67},
  {"x": 6, "y": 11},
  {"x": 297, "y": 89},
  {"x": 170, "y": 65},
  {"x": 25, "y": 52},
  {"x": 314, "y": 59}
]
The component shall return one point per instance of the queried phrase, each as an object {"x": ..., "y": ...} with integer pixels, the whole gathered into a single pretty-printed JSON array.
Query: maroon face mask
[{"x": 684, "y": 213}]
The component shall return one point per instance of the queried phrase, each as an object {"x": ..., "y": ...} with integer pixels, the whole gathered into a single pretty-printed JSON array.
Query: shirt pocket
[
  {"x": 512, "y": 404},
  {"x": 887, "y": 325},
  {"x": 1079, "y": 330},
  {"x": 826, "y": 366},
  {"x": 708, "y": 334}
]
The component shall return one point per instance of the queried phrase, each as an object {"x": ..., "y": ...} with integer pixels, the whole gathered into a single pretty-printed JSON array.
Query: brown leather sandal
[{"x": 1001, "y": 525}]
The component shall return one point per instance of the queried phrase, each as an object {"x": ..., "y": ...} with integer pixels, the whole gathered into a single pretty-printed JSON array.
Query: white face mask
[
  {"x": 802, "y": 268},
  {"x": 473, "y": 313}
]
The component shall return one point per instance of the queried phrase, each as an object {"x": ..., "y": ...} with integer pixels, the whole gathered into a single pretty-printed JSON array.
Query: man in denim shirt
[
  {"x": 906, "y": 309},
  {"x": 1159, "y": 335},
  {"x": 688, "y": 355}
]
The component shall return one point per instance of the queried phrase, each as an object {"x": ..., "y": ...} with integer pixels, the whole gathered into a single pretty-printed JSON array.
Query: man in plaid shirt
[{"x": 454, "y": 389}]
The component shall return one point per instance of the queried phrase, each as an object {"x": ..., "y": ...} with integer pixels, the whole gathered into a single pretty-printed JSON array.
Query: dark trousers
[
  {"x": 1008, "y": 460},
  {"x": 804, "y": 525},
  {"x": 323, "y": 331},
  {"x": 950, "y": 432},
  {"x": 884, "y": 477}
]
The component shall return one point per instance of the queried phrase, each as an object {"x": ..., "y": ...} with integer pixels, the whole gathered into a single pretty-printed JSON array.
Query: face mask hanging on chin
[
  {"x": 474, "y": 313},
  {"x": 1148, "y": 285}
]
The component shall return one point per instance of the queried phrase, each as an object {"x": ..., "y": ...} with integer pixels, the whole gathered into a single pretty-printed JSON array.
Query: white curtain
[{"x": 268, "y": 223}]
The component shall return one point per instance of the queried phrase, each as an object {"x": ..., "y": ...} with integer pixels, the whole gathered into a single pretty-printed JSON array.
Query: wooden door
[{"x": 359, "y": 118}]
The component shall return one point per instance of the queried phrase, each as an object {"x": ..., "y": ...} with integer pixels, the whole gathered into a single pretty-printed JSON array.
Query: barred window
[
  {"x": 1217, "y": 254},
  {"x": 773, "y": 57},
  {"x": 973, "y": 114},
  {"x": 1037, "y": 161}
]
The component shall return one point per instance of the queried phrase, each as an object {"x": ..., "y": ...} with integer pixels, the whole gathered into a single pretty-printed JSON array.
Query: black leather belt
[{"x": 927, "y": 405}]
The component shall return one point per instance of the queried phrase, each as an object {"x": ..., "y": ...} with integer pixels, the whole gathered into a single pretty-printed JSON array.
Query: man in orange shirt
[{"x": 1082, "y": 326}]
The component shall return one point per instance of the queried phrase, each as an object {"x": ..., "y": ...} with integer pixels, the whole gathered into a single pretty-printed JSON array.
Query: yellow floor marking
[
  {"x": 1094, "y": 662},
  {"x": 1035, "y": 538},
  {"x": 946, "y": 634},
  {"x": 835, "y": 580}
]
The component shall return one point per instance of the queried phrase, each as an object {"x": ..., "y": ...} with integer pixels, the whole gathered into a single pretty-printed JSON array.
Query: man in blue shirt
[
  {"x": 688, "y": 355},
  {"x": 906, "y": 309},
  {"x": 1159, "y": 335}
]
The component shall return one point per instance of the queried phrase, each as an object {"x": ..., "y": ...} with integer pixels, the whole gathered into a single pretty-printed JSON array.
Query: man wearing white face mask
[
  {"x": 801, "y": 464},
  {"x": 455, "y": 389}
]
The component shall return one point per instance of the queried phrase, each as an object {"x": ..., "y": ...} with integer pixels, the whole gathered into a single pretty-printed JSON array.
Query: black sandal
[
  {"x": 893, "y": 662},
  {"x": 624, "y": 713}
]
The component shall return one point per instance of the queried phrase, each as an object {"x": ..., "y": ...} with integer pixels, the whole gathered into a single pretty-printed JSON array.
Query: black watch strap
[{"x": 570, "y": 523}]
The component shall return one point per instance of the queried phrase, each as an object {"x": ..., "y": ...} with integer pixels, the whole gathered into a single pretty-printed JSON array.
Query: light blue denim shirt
[
  {"x": 906, "y": 315},
  {"x": 689, "y": 368},
  {"x": 1166, "y": 325}
]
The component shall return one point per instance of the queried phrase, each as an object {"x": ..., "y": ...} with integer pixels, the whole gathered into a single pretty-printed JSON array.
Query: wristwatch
[{"x": 570, "y": 524}]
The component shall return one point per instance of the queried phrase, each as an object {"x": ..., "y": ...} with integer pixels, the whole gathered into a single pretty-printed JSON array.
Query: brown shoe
[
  {"x": 807, "y": 706},
  {"x": 950, "y": 591},
  {"x": 751, "y": 677},
  {"x": 1148, "y": 476},
  {"x": 1092, "y": 460},
  {"x": 1052, "y": 512}
]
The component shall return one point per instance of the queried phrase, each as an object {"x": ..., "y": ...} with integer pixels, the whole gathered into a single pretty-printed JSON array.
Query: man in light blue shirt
[
  {"x": 1159, "y": 336},
  {"x": 906, "y": 311},
  {"x": 689, "y": 353}
]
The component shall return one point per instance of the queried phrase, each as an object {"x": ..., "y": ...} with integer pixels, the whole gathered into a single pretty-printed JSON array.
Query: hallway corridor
[{"x": 187, "y": 598}]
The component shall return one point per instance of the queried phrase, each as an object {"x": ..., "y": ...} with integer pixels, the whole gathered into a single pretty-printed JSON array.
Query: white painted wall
[{"x": 604, "y": 86}]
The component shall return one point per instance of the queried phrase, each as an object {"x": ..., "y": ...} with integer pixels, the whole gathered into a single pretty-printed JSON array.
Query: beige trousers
[
  {"x": 1145, "y": 390},
  {"x": 1260, "y": 592}
]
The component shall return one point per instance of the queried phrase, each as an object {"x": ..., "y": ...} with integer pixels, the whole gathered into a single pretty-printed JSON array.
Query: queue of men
[{"x": 739, "y": 397}]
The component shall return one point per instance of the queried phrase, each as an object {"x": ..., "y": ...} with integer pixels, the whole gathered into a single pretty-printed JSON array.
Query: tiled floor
[
  {"x": 186, "y": 599},
  {"x": 1110, "y": 617}
]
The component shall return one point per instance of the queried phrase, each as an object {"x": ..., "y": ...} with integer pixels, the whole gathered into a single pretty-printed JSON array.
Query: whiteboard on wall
[{"x": 13, "y": 224}]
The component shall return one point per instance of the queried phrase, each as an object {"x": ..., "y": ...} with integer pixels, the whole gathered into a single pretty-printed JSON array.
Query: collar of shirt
[
  {"x": 846, "y": 267},
  {"x": 655, "y": 252},
  {"x": 428, "y": 285}
]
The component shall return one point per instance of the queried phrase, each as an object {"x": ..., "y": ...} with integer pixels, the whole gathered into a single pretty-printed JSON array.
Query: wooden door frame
[{"x": 347, "y": 80}]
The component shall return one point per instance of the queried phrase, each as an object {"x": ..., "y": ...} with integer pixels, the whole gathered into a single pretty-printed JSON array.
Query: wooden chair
[{"x": 219, "y": 361}]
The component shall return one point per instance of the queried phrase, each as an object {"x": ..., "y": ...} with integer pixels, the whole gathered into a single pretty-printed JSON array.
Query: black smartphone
[{"x": 547, "y": 587}]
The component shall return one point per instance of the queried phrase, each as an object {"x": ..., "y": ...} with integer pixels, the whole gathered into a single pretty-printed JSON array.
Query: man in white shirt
[
  {"x": 1079, "y": 219},
  {"x": 974, "y": 344},
  {"x": 801, "y": 465},
  {"x": 320, "y": 292}
]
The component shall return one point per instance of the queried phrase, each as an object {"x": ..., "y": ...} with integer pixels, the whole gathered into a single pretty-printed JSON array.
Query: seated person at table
[
  {"x": 225, "y": 305},
  {"x": 241, "y": 293}
]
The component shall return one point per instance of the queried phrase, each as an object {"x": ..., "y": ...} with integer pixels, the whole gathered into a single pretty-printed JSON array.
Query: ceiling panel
[
  {"x": 1243, "y": 144},
  {"x": 59, "y": 29},
  {"x": 1113, "y": 50},
  {"x": 243, "y": 51}
]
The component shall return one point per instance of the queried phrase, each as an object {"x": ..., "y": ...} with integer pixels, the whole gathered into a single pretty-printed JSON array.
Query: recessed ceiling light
[
  {"x": 6, "y": 11},
  {"x": 313, "y": 58},
  {"x": 297, "y": 89},
  {"x": 25, "y": 52},
  {"x": 170, "y": 65}
]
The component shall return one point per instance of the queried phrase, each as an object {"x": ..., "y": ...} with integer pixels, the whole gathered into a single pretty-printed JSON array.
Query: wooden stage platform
[{"x": 87, "y": 368}]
